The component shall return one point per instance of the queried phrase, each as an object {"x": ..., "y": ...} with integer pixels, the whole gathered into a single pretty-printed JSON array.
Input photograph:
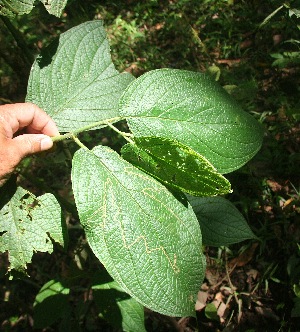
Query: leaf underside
[
  {"x": 176, "y": 165},
  {"x": 20, "y": 7},
  {"x": 28, "y": 224},
  {"x": 55, "y": 7},
  {"x": 14, "y": 7},
  {"x": 74, "y": 79},
  {"x": 136, "y": 228},
  {"x": 193, "y": 109}
]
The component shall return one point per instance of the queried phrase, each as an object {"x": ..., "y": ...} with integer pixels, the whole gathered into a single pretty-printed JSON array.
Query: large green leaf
[
  {"x": 29, "y": 224},
  {"x": 176, "y": 165},
  {"x": 74, "y": 79},
  {"x": 149, "y": 242},
  {"x": 220, "y": 221},
  {"x": 193, "y": 109},
  {"x": 19, "y": 7}
]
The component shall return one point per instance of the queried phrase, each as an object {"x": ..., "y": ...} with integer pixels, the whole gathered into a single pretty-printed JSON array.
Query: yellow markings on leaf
[{"x": 110, "y": 199}]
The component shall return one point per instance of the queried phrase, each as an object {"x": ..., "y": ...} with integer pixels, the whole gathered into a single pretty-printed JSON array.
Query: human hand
[{"x": 24, "y": 130}]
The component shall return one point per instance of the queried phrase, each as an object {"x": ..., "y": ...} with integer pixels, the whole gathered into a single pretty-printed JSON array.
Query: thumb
[{"x": 31, "y": 143}]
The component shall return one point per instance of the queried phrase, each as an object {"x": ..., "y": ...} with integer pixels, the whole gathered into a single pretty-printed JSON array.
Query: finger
[
  {"x": 30, "y": 116},
  {"x": 14, "y": 150},
  {"x": 26, "y": 144}
]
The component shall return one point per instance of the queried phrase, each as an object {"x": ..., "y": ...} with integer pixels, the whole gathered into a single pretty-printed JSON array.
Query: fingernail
[{"x": 46, "y": 143}]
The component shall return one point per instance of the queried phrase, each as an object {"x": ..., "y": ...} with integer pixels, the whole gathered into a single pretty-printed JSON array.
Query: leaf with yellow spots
[
  {"x": 148, "y": 241},
  {"x": 176, "y": 165}
]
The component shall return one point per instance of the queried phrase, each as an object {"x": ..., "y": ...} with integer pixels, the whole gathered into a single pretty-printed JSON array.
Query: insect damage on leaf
[{"x": 176, "y": 165}]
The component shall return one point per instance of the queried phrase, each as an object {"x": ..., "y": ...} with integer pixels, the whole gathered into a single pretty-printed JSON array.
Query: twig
[
  {"x": 76, "y": 140},
  {"x": 238, "y": 301},
  {"x": 224, "y": 278},
  {"x": 85, "y": 128},
  {"x": 124, "y": 135}
]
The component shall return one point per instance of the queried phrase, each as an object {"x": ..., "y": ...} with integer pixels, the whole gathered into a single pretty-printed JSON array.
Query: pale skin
[{"x": 25, "y": 129}]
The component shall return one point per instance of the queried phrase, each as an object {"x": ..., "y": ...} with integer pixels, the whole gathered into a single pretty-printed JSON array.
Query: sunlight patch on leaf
[{"x": 51, "y": 304}]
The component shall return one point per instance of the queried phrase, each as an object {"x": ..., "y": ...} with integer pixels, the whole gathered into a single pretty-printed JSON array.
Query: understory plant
[{"x": 148, "y": 211}]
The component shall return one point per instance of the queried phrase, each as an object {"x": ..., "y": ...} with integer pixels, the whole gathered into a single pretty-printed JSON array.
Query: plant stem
[
  {"x": 79, "y": 143},
  {"x": 82, "y": 129},
  {"x": 124, "y": 135}
]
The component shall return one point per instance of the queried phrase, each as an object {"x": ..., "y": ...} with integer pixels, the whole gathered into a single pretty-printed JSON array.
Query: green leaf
[
  {"x": 296, "y": 308},
  {"x": 287, "y": 59},
  {"x": 296, "y": 289},
  {"x": 294, "y": 11},
  {"x": 51, "y": 304},
  {"x": 118, "y": 308},
  {"x": 20, "y": 7},
  {"x": 55, "y": 7},
  {"x": 220, "y": 221},
  {"x": 268, "y": 18},
  {"x": 74, "y": 79},
  {"x": 29, "y": 224},
  {"x": 176, "y": 165},
  {"x": 211, "y": 312},
  {"x": 148, "y": 241},
  {"x": 14, "y": 7},
  {"x": 193, "y": 109}
]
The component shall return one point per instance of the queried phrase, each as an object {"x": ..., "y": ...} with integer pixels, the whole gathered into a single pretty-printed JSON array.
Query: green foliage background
[{"x": 258, "y": 65}]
